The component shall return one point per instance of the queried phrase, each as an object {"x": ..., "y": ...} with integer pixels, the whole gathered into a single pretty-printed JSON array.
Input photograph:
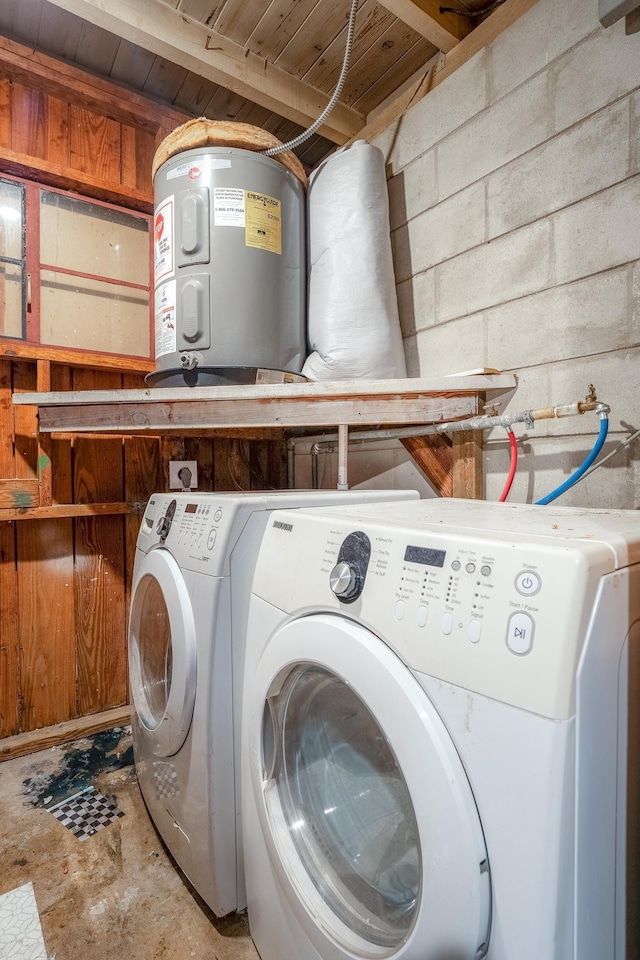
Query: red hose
[{"x": 513, "y": 443}]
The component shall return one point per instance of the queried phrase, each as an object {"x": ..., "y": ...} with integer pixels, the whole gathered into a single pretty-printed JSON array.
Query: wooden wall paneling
[
  {"x": 29, "y": 121},
  {"x": 201, "y": 450},
  {"x": 142, "y": 477},
  {"x": 25, "y": 422},
  {"x": 99, "y": 581},
  {"x": 268, "y": 459},
  {"x": 94, "y": 144},
  {"x": 171, "y": 448},
  {"x": 231, "y": 473},
  {"x": 57, "y": 131},
  {"x": 9, "y": 627},
  {"x": 7, "y": 465},
  {"x": 10, "y": 713},
  {"x": 5, "y": 112},
  {"x": 128, "y": 156},
  {"x": 46, "y": 606},
  {"x": 61, "y": 447},
  {"x": 138, "y": 149}
]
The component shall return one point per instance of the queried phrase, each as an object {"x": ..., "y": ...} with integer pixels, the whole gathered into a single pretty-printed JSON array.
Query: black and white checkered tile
[{"x": 86, "y": 812}]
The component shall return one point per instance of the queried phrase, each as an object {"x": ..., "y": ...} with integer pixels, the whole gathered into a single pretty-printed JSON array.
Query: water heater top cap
[{"x": 202, "y": 132}]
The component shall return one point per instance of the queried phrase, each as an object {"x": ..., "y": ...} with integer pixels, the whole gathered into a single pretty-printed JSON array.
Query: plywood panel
[
  {"x": 46, "y": 605},
  {"x": 94, "y": 144}
]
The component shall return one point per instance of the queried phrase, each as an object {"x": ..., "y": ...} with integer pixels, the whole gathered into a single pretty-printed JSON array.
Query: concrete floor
[{"x": 116, "y": 895}]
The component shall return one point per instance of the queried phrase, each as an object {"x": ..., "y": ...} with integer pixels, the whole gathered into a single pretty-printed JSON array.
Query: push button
[
  {"x": 520, "y": 633},
  {"x": 475, "y": 631},
  {"x": 528, "y": 583},
  {"x": 447, "y": 623},
  {"x": 399, "y": 611},
  {"x": 421, "y": 616}
]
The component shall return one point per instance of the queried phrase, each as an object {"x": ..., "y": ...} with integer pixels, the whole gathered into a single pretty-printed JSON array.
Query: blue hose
[{"x": 582, "y": 469}]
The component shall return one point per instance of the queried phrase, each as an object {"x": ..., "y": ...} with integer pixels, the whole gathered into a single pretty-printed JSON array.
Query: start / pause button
[{"x": 520, "y": 633}]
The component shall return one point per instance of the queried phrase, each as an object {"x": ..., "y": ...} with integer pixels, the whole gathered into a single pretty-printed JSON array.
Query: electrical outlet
[{"x": 183, "y": 474}]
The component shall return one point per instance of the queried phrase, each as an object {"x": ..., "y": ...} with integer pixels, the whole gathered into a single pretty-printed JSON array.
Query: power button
[{"x": 528, "y": 583}]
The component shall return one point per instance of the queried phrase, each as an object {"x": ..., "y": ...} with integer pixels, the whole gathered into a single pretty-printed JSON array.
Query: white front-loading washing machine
[
  {"x": 194, "y": 563},
  {"x": 441, "y": 734}
]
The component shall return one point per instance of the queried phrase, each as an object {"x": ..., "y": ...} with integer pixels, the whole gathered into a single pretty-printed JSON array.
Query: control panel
[
  {"x": 195, "y": 529},
  {"x": 498, "y": 615}
]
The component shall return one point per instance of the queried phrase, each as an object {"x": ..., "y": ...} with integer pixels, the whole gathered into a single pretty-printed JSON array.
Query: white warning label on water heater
[
  {"x": 165, "y": 318},
  {"x": 163, "y": 246},
  {"x": 228, "y": 207}
]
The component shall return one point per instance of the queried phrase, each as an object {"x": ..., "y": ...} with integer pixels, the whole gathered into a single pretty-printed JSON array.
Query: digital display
[
  {"x": 430, "y": 558},
  {"x": 191, "y": 508}
]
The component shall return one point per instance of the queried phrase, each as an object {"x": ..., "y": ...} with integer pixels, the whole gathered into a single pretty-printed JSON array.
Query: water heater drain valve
[{"x": 188, "y": 361}]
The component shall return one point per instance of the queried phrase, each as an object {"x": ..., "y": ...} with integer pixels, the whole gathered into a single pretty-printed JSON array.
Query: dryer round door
[
  {"x": 365, "y": 807},
  {"x": 162, "y": 653}
]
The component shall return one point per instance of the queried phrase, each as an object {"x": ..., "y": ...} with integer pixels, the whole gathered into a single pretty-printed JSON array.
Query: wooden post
[{"x": 468, "y": 468}]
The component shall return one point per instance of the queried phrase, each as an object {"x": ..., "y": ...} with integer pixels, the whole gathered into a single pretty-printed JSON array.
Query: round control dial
[{"x": 344, "y": 581}]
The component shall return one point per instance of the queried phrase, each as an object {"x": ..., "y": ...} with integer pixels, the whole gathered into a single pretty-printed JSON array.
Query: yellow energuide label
[{"x": 263, "y": 222}]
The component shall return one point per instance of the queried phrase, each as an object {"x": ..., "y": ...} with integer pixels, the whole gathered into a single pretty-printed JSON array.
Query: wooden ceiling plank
[
  {"x": 371, "y": 23},
  {"x": 224, "y": 105},
  {"x": 204, "y": 11},
  {"x": 322, "y": 26},
  {"x": 165, "y": 80},
  {"x": 97, "y": 49},
  {"x": 132, "y": 65},
  {"x": 195, "y": 94},
  {"x": 59, "y": 33},
  {"x": 279, "y": 24},
  {"x": 399, "y": 69},
  {"x": 238, "y": 19},
  {"x": 157, "y": 28},
  {"x": 313, "y": 151},
  {"x": 24, "y": 19},
  {"x": 444, "y": 30},
  {"x": 393, "y": 59},
  {"x": 484, "y": 34}
]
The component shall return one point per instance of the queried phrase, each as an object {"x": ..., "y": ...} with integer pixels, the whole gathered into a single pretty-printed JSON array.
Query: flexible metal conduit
[{"x": 326, "y": 443}]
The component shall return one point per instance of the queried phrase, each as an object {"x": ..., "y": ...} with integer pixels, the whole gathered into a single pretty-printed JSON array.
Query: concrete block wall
[{"x": 514, "y": 193}]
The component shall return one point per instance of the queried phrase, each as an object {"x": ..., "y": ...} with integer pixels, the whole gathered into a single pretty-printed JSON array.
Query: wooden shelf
[{"x": 199, "y": 411}]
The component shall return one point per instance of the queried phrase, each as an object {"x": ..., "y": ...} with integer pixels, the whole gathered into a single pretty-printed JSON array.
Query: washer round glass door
[
  {"x": 162, "y": 653},
  {"x": 364, "y": 801}
]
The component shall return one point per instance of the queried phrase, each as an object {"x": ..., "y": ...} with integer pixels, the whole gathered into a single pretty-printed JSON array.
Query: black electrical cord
[{"x": 473, "y": 13}]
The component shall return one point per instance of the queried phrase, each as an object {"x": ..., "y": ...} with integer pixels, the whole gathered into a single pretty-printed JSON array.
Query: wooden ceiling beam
[
  {"x": 445, "y": 30},
  {"x": 159, "y": 28}
]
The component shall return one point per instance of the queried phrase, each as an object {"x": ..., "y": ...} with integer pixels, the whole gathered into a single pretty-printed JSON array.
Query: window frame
[{"x": 30, "y": 347}]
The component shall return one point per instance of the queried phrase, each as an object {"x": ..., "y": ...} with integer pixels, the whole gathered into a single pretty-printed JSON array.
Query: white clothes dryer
[
  {"x": 191, "y": 585},
  {"x": 441, "y": 734}
]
